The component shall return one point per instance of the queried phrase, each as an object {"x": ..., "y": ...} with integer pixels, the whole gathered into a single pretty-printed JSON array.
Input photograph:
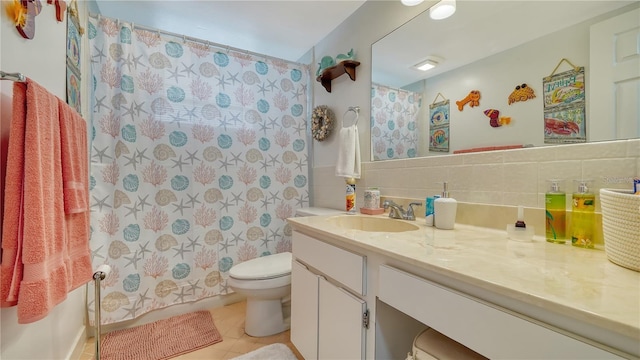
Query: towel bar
[
  {"x": 100, "y": 274},
  {"x": 356, "y": 110},
  {"x": 18, "y": 77}
]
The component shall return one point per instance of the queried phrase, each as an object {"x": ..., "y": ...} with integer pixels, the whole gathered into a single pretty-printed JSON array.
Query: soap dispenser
[
  {"x": 445, "y": 210},
  {"x": 583, "y": 215},
  {"x": 555, "y": 212}
]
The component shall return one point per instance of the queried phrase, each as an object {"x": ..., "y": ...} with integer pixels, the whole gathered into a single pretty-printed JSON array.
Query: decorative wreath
[{"x": 322, "y": 122}]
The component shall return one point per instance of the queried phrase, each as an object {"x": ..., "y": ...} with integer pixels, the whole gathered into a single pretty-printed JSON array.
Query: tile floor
[{"x": 230, "y": 323}]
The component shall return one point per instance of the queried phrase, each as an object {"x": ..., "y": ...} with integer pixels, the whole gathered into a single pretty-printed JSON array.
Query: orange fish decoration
[
  {"x": 473, "y": 99},
  {"x": 494, "y": 118}
]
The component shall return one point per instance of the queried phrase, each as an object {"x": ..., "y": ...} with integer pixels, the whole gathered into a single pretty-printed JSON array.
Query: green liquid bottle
[
  {"x": 555, "y": 209},
  {"x": 583, "y": 216}
]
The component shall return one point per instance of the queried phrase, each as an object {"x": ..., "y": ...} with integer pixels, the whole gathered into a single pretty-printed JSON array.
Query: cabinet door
[
  {"x": 304, "y": 311},
  {"x": 340, "y": 331}
]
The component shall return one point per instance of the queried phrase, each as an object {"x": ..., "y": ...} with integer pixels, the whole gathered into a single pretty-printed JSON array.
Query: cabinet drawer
[
  {"x": 494, "y": 333},
  {"x": 341, "y": 265}
]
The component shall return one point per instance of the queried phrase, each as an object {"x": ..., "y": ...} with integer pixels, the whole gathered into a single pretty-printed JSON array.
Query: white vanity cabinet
[
  {"x": 495, "y": 332},
  {"x": 327, "y": 310},
  {"x": 498, "y": 298}
]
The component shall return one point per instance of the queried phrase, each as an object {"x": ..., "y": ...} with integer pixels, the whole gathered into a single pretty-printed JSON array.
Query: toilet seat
[
  {"x": 262, "y": 284},
  {"x": 263, "y": 268}
]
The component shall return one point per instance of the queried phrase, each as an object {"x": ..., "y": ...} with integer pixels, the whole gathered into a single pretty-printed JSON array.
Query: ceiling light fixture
[
  {"x": 427, "y": 64},
  {"x": 442, "y": 10},
  {"x": 411, "y": 2}
]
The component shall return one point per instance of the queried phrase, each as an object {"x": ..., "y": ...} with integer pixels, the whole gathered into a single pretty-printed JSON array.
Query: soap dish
[
  {"x": 520, "y": 234},
  {"x": 377, "y": 211}
]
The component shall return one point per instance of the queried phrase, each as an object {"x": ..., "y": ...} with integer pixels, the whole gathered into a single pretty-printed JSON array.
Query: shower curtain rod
[
  {"x": 18, "y": 77},
  {"x": 392, "y": 88},
  {"x": 201, "y": 41}
]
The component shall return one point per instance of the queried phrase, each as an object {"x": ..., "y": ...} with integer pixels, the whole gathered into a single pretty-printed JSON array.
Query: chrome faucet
[{"x": 397, "y": 212}]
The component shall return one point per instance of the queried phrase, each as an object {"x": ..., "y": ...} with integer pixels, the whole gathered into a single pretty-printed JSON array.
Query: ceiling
[{"x": 282, "y": 29}]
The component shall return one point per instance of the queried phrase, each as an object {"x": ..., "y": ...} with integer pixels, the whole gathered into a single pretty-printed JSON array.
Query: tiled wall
[{"x": 503, "y": 178}]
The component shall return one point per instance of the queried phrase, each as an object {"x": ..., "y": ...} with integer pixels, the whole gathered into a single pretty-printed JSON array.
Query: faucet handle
[
  {"x": 388, "y": 203},
  {"x": 410, "y": 213}
]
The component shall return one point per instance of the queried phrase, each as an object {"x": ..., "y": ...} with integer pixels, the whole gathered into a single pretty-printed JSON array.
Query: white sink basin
[{"x": 374, "y": 224}]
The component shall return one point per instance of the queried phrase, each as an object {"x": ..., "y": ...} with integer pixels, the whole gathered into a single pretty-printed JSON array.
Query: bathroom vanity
[{"x": 363, "y": 287}]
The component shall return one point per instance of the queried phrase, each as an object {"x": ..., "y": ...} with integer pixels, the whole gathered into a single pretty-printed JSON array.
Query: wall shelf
[{"x": 344, "y": 67}]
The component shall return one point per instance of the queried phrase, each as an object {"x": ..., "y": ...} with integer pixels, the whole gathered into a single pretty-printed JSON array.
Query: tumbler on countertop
[{"x": 372, "y": 198}]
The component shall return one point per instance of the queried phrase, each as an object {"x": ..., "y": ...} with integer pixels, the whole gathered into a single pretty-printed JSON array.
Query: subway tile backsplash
[{"x": 508, "y": 177}]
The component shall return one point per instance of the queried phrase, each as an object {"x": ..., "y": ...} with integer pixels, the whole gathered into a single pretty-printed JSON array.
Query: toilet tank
[{"x": 317, "y": 211}]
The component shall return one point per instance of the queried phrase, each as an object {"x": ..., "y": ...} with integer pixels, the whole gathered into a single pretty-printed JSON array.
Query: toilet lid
[{"x": 265, "y": 267}]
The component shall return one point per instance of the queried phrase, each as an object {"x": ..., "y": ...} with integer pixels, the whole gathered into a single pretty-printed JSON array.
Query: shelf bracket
[{"x": 344, "y": 67}]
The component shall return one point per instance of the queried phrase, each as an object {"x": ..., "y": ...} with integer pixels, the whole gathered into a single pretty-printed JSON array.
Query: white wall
[{"x": 43, "y": 60}]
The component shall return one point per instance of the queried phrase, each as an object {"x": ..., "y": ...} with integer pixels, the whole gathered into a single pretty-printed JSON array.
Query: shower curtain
[
  {"x": 394, "y": 122},
  {"x": 198, "y": 156}
]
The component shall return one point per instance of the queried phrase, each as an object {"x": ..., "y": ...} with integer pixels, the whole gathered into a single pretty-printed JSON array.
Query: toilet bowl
[{"x": 266, "y": 282}]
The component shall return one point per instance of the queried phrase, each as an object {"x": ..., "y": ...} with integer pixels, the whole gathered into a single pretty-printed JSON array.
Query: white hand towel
[{"x": 348, "y": 164}]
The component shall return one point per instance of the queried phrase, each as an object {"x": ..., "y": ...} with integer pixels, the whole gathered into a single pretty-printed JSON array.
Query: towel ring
[{"x": 356, "y": 110}]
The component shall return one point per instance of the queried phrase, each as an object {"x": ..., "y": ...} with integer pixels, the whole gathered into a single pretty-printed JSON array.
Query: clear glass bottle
[
  {"x": 583, "y": 215},
  {"x": 555, "y": 201}
]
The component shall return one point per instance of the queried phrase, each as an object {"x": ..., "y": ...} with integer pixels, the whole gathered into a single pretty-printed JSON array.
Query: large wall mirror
[{"x": 506, "y": 50}]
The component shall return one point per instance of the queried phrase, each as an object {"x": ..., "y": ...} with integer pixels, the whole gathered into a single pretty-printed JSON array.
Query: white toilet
[{"x": 266, "y": 282}]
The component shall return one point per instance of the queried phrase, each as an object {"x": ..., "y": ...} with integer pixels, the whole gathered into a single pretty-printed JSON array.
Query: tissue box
[{"x": 621, "y": 227}]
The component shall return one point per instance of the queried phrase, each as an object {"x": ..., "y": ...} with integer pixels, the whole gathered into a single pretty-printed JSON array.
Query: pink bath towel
[
  {"x": 75, "y": 176},
  {"x": 46, "y": 252},
  {"x": 11, "y": 266},
  {"x": 73, "y": 140}
]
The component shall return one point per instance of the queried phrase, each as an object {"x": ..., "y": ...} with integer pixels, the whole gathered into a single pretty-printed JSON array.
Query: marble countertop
[{"x": 579, "y": 283}]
